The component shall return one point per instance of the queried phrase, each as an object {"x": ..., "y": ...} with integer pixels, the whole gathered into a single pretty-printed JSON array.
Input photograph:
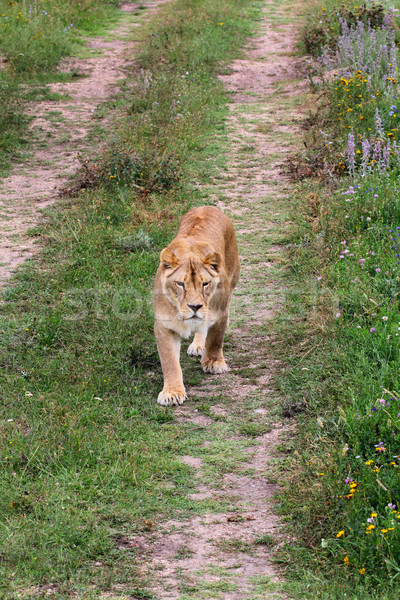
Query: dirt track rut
[
  {"x": 60, "y": 131},
  {"x": 218, "y": 554}
]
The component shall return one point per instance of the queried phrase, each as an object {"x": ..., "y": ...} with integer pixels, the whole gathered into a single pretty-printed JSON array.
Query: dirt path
[
  {"x": 228, "y": 551},
  {"x": 60, "y": 130}
]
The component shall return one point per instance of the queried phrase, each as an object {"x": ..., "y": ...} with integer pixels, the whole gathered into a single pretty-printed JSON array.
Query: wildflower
[
  {"x": 369, "y": 462},
  {"x": 390, "y": 505},
  {"x": 378, "y": 124},
  {"x": 340, "y": 534},
  {"x": 372, "y": 330},
  {"x": 346, "y": 560},
  {"x": 362, "y": 571},
  {"x": 384, "y": 530}
]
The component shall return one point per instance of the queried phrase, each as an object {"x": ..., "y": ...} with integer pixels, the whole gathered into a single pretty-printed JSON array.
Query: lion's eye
[
  {"x": 205, "y": 284},
  {"x": 180, "y": 284}
]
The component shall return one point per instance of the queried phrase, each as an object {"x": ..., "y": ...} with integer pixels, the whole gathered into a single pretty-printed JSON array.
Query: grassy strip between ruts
[
  {"x": 87, "y": 454},
  {"x": 343, "y": 353},
  {"x": 34, "y": 37}
]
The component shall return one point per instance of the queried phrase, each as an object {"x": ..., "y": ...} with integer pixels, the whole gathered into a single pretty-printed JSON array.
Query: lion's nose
[{"x": 195, "y": 307}]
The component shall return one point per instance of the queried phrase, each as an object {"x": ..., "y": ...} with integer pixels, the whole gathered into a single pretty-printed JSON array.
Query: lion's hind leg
[{"x": 197, "y": 347}]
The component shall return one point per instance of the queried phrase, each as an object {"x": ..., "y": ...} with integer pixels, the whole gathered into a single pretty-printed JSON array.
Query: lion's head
[{"x": 189, "y": 281}]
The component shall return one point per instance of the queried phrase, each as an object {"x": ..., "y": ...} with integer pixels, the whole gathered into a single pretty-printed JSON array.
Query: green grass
[
  {"x": 87, "y": 454},
  {"x": 341, "y": 324}
]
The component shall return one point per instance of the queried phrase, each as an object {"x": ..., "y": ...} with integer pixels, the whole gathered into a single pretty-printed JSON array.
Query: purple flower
[
  {"x": 372, "y": 330},
  {"x": 391, "y": 506},
  {"x": 378, "y": 124}
]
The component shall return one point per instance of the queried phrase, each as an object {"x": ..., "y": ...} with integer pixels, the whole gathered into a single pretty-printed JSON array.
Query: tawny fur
[{"x": 194, "y": 282}]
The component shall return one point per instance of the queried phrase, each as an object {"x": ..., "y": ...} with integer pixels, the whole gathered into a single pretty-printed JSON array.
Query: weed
[
  {"x": 254, "y": 429},
  {"x": 266, "y": 540}
]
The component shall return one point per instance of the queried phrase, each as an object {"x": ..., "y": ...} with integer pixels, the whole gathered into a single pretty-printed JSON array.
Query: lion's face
[{"x": 189, "y": 282}]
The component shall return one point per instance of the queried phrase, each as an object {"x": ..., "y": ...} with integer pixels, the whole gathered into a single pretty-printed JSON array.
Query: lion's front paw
[
  {"x": 195, "y": 350},
  {"x": 214, "y": 366},
  {"x": 172, "y": 397}
]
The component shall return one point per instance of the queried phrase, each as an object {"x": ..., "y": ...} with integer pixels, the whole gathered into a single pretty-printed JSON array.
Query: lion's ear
[
  {"x": 168, "y": 259},
  {"x": 213, "y": 260}
]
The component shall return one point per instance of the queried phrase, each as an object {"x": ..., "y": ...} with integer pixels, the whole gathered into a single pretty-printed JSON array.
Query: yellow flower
[
  {"x": 362, "y": 571},
  {"x": 384, "y": 530},
  {"x": 339, "y": 535},
  {"x": 346, "y": 560},
  {"x": 373, "y": 515},
  {"x": 369, "y": 462}
]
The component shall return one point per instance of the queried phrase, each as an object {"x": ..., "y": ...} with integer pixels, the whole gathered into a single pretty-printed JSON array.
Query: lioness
[{"x": 193, "y": 290}]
